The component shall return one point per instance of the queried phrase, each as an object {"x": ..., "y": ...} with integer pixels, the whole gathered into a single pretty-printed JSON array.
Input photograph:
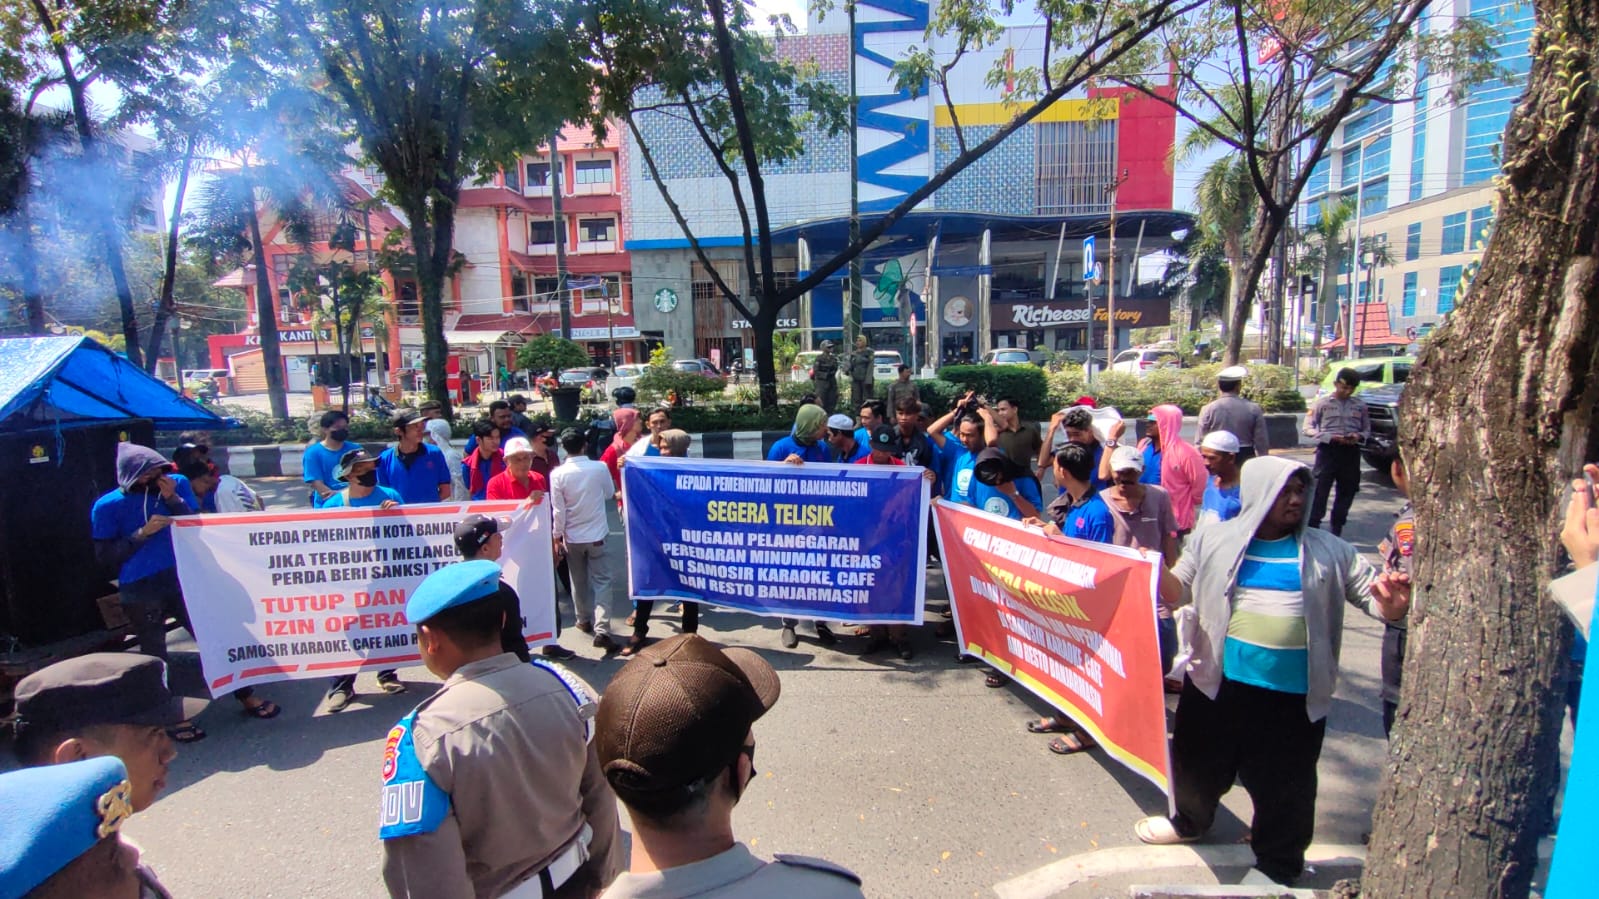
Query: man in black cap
[
  {"x": 519, "y": 419},
  {"x": 359, "y": 470},
  {"x": 675, "y": 742},
  {"x": 491, "y": 787},
  {"x": 479, "y": 537},
  {"x": 105, "y": 704},
  {"x": 417, "y": 471}
]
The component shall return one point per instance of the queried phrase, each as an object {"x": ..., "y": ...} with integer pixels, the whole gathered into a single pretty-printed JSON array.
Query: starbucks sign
[{"x": 665, "y": 300}]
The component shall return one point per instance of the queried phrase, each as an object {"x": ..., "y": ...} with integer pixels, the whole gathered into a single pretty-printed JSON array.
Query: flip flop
[
  {"x": 186, "y": 733},
  {"x": 264, "y": 710},
  {"x": 994, "y": 680},
  {"x": 1047, "y": 726},
  {"x": 1071, "y": 743},
  {"x": 1158, "y": 830}
]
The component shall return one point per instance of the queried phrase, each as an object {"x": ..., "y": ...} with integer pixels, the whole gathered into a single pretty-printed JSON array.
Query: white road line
[{"x": 1056, "y": 877}]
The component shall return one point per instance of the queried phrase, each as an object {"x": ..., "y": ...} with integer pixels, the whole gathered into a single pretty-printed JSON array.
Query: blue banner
[{"x": 830, "y": 542}]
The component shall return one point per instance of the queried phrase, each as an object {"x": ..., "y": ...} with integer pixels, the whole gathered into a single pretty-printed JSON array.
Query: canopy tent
[{"x": 71, "y": 382}]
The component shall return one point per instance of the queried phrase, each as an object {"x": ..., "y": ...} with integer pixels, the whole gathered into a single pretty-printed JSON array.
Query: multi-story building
[
  {"x": 977, "y": 252},
  {"x": 1423, "y": 170},
  {"x": 503, "y": 292}
]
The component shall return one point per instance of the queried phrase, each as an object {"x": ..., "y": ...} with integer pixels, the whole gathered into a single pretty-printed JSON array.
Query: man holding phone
[{"x": 1339, "y": 424}]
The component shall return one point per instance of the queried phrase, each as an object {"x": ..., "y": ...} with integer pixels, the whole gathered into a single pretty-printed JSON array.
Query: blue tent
[{"x": 68, "y": 382}]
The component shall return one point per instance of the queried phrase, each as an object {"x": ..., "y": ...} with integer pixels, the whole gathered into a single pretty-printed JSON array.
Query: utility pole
[
  {"x": 1110, "y": 295},
  {"x": 560, "y": 238},
  {"x": 852, "y": 317}
]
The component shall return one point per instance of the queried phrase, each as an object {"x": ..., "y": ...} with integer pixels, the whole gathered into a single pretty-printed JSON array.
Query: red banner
[{"x": 1072, "y": 621}]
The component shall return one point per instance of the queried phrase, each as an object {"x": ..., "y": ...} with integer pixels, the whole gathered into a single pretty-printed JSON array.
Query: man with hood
[
  {"x": 131, "y": 527},
  {"x": 1169, "y": 461},
  {"x": 1268, "y": 596}
]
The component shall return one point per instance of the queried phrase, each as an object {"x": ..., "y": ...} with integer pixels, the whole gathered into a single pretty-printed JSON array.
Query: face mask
[
  {"x": 367, "y": 479},
  {"x": 339, "y": 434}
]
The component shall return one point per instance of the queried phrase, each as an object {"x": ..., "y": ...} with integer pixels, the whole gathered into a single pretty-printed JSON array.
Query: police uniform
[
  {"x": 1231, "y": 412},
  {"x": 490, "y": 786},
  {"x": 862, "y": 376},
  {"x": 824, "y": 377},
  {"x": 740, "y": 873},
  {"x": 54, "y": 814},
  {"x": 1396, "y": 550}
]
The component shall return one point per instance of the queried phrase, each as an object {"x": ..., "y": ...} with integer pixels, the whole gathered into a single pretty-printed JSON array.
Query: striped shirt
[{"x": 1266, "y": 639}]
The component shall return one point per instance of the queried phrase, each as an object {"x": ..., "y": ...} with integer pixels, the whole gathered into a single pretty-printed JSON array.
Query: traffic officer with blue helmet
[
  {"x": 491, "y": 786},
  {"x": 61, "y": 838}
]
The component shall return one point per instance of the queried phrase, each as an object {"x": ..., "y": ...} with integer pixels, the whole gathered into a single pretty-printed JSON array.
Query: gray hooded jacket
[{"x": 1331, "y": 573}]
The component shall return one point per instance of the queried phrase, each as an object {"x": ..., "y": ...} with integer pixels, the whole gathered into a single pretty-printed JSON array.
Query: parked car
[
  {"x": 885, "y": 364},
  {"x": 695, "y": 366},
  {"x": 709, "y": 365},
  {"x": 1382, "y": 406},
  {"x": 1141, "y": 360},
  {"x": 625, "y": 376},
  {"x": 1013, "y": 356},
  {"x": 1373, "y": 370},
  {"x": 591, "y": 380}
]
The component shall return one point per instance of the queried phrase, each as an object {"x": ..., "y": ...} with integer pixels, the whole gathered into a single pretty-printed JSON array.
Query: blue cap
[
  {"x": 451, "y": 586},
  {"x": 56, "y": 813}
]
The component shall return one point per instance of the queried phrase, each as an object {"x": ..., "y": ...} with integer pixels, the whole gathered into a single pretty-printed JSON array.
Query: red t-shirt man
[{"x": 505, "y": 485}]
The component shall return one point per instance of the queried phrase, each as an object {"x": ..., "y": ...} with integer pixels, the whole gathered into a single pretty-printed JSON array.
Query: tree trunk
[
  {"x": 21, "y": 228},
  {"x": 267, "y": 325},
  {"x": 429, "y": 218},
  {"x": 1262, "y": 239},
  {"x": 1497, "y": 415},
  {"x": 169, "y": 266},
  {"x": 765, "y": 328}
]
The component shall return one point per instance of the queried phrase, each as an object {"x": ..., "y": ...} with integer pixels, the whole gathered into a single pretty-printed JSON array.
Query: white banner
[{"x": 321, "y": 592}]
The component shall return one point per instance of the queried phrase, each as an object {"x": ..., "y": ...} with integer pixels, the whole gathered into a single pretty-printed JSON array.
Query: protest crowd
[{"x": 505, "y": 782}]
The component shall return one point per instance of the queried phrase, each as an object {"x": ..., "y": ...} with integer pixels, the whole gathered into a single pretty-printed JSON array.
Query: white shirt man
[{"x": 580, "y": 490}]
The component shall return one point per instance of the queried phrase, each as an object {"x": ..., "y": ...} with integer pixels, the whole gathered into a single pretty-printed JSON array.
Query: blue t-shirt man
[
  {"x": 318, "y": 464},
  {"x": 861, "y": 451},
  {"x": 1151, "y": 473},
  {"x": 376, "y": 498},
  {"x": 996, "y": 502},
  {"x": 417, "y": 476},
  {"x": 1220, "y": 503},
  {"x": 1089, "y": 519},
  {"x": 782, "y": 449},
  {"x": 117, "y": 515},
  {"x": 960, "y": 465}
]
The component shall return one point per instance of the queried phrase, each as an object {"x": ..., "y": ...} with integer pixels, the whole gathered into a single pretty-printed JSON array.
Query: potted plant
[{"x": 548, "y": 352}]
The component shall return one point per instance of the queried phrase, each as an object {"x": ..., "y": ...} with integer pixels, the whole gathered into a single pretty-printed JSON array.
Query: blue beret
[
  {"x": 56, "y": 813},
  {"x": 451, "y": 586}
]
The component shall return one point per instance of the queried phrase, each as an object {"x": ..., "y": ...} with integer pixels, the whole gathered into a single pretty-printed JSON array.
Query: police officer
[
  {"x": 824, "y": 377},
  {"x": 862, "y": 373},
  {"x": 490, "y": 787},
  {"x": 62, "y": 838},
  {"x": 674, "y": 737},
  {"x": 1231, "y": 412}
]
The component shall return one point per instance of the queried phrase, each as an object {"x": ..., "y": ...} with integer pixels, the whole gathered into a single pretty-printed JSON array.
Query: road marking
[{"x": 1056, "y": 877}]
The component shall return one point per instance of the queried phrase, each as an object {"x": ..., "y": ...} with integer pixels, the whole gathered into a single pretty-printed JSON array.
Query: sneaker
[
  {"x": 556, "y": 651},
  {"x": 824, "y": 635},
  {"x": 390, "y": 682},
  {"x": 337, "y": 700},
  {"x": 604, "y": 641},
  {"x": 788, "y": 637},
  {"x": 905, "y": 651}
]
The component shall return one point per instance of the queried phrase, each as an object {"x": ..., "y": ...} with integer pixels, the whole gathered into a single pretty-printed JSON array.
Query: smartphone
[{"x": 1588, "y": 479}]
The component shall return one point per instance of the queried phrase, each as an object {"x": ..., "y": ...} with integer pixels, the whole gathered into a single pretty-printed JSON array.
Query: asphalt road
[{"x": 913, "y": 774}]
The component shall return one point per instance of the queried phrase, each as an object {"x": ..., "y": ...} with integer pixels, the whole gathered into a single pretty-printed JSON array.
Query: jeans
[{"x": 591, "y": 584}]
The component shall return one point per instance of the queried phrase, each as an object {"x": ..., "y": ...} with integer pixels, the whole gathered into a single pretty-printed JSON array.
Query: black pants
[
  {"x": 1263, "y": 739},
  {"x": 1393, "y": 663},
  {"x": 641, "y": 617},
  {"x": 147, "y": 602},
  {"x": 1335, "y": 464}
]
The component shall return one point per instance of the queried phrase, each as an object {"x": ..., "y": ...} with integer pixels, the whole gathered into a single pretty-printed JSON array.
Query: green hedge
[
  {"x": 1187, "y": 388},
  {"x": 1024, "y": 383}
]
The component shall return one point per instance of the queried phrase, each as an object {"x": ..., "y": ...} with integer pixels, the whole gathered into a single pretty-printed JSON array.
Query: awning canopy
[
  {"x": 72, "y": 381},
  {"x": 480, "y": 339}
]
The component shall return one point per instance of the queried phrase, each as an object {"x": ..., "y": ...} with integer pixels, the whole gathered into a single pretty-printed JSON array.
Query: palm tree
[
  {"x": 1328, "y": 243},
  {"x": 1227, "y": 201}
]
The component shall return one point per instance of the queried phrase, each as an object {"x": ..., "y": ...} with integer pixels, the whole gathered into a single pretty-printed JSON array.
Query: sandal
[
  {"x": 186, "y": 733},
  {"x": 1073, "y": 741},
  {"x": 631, "y": 618},
  {"x": 264, "y": 709},
  {"x": 1159, "y": 831},
  {"x": 1047, "y": 726},
  {"x": 632, "y": 647},
  {"x": 995, "y": 680}
]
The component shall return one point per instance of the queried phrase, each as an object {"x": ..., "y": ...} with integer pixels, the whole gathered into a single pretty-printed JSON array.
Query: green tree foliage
[
  {"x": 440, "y": 91},
  {"x": 550, "y": 352}
]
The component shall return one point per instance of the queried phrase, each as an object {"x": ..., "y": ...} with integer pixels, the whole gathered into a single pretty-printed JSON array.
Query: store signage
[
  {"x": 740, "y": 324},
  {"x": 303, "y": 335},
  {"x": 620, "y": 332},
  {"x": 1139, "y": 313}
]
